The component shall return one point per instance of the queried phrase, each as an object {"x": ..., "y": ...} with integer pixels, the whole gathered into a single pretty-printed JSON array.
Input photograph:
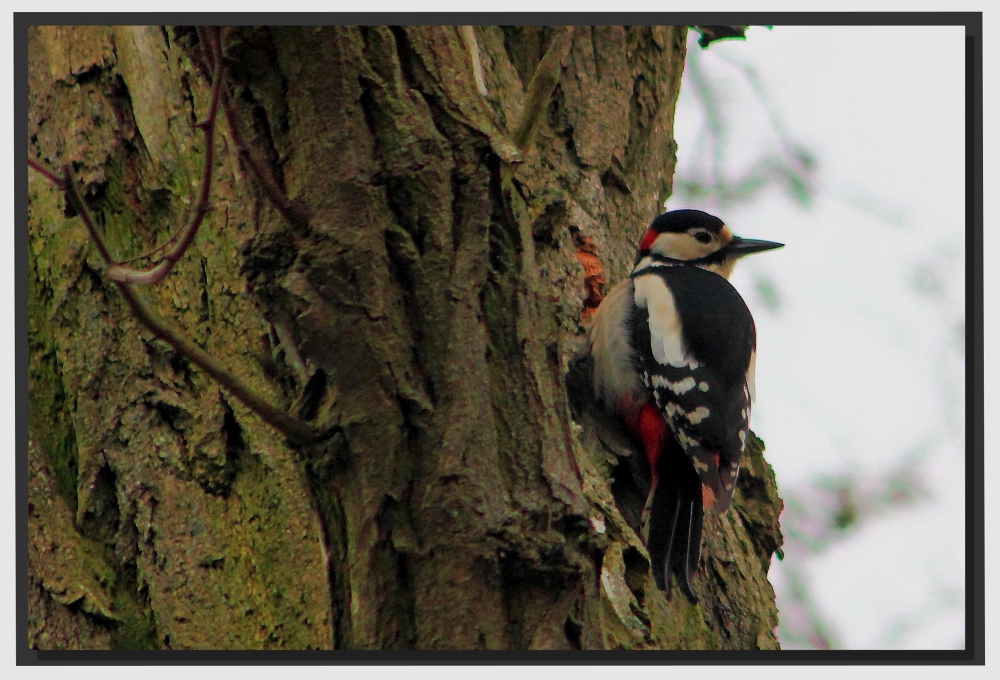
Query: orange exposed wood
[{"x": 593, "y": 277}]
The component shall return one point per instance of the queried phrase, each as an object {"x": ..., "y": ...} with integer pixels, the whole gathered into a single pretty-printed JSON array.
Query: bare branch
[
  {"x": 207, "y": 44},
  {"x": 163, "y": 246},
  {"x": 293, "y": 213},
  {"x": 296, "y": 431},
  {"x": 45, "y": 172},
  {"x": 116, "y": 272},
  {"x": 74, "y": 197}
]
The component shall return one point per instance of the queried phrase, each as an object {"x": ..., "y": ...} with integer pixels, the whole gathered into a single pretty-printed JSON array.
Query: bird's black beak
[{"x": 739, "y": 247}]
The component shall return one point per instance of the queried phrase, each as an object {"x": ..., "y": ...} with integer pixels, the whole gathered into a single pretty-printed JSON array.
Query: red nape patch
[{"x": 647, "y": 240}]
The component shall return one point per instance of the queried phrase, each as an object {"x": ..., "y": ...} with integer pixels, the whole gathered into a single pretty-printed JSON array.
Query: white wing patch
[
  {"x": 688, "y": 442},
  {"x": 681, "y": 387},
  {"x": 652, "y": 294},
  {"x": 698, "y": 415},
  {"x": 751, "y": 389}
]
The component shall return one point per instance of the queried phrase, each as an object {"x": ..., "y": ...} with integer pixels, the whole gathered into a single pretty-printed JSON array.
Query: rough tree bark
[{"x": 434, "y": 298}]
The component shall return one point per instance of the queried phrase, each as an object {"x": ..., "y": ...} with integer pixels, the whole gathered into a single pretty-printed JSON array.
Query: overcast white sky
[{"x": 857, "y": 368}]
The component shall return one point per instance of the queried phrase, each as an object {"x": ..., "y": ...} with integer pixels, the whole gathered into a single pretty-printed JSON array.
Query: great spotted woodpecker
[{"x": 673, "y": 350}]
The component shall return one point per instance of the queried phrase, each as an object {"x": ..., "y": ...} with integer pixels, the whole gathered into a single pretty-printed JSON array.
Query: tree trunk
[{"x": 426, "y": 315}]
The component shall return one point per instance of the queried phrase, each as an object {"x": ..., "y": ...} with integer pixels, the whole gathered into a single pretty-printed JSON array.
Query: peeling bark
[{"x": 428, "y": 313}]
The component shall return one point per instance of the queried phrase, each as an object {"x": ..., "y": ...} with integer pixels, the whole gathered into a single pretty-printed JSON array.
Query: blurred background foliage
[{"x": 720, "y": 170}]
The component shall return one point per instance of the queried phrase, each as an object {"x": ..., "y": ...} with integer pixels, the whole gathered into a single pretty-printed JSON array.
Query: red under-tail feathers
[{"x": 672, "y": 517}]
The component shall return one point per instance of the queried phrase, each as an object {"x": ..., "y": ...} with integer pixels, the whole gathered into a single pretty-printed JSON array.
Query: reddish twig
[
  {"x": 74, "y": 197},
  {"x": 296, "y": 431},
  {"x": 163, "y": 246},
  {"x": 45, "y": 172},
  {"x": 117, "y": 272},
  {"x": 293, "y": 213},
  {"x": 204, "y": 39}
]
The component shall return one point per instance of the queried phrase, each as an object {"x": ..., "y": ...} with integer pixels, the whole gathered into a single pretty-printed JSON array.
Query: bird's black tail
[{"x": 672, "y": 521}]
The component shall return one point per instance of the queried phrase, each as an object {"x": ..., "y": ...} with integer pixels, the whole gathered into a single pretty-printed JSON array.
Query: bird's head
[{"x": 693, "y": 237}]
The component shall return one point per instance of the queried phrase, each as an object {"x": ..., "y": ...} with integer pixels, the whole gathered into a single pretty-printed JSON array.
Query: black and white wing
[{"x": 699, "y": 373}]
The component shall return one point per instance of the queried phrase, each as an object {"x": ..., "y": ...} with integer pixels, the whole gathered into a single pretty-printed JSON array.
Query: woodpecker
[{"x": 673, "y": 350}]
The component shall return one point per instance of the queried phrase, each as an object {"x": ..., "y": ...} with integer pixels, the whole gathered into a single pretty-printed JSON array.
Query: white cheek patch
[
  {"x": 652, "y": 294},
  {"x": 680, "y": 246}
]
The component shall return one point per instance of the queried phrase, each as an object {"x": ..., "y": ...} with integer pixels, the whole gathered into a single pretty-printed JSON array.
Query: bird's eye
[{"x": 703, "y": 237}]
